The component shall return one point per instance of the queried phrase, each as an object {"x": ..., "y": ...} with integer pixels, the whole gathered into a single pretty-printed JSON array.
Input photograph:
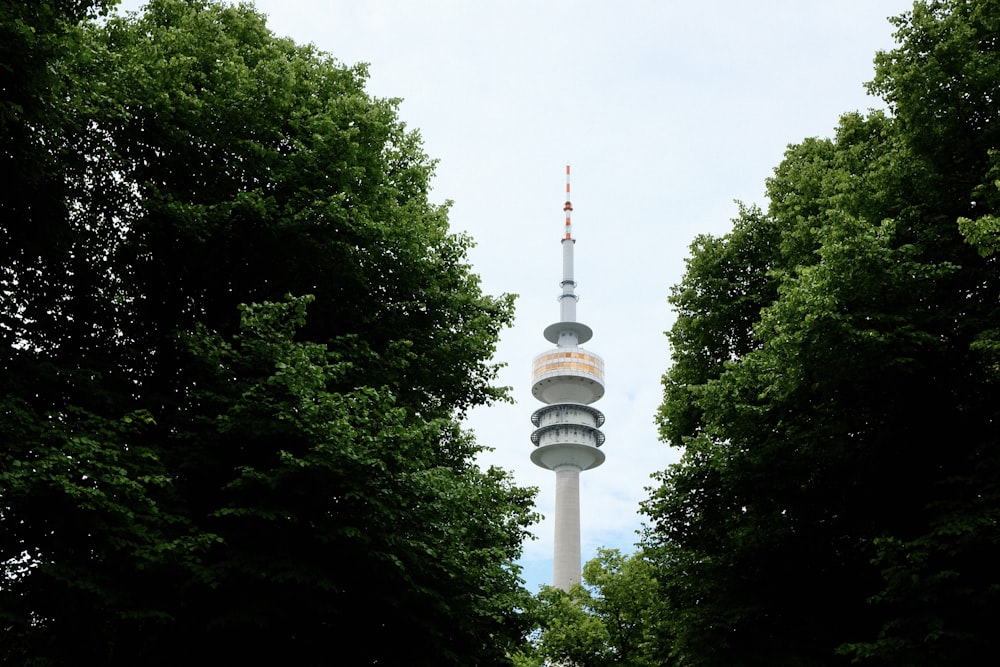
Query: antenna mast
[{"x": 568, "y": 208}]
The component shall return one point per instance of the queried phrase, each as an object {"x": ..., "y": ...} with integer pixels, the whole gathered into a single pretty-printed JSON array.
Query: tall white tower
[{"x": 567, "y": 432}]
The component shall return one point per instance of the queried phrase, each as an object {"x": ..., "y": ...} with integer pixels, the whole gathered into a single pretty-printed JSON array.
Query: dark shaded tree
[
  {"x": 232, "y": 386},
  {"x": 836, "y": 500}
]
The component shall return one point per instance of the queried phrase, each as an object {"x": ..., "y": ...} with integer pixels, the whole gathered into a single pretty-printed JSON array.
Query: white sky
[{"x": 667, "y": 111}]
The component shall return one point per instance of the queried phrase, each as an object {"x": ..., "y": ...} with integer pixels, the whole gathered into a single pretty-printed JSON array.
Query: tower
[{"x": 567, "y": 434}]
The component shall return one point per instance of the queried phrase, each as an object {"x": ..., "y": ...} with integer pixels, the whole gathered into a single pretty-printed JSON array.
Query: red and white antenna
[{"x": 568, "y": 208}]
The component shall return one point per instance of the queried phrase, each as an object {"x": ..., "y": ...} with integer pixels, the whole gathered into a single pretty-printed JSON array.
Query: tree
[
  {"x": 610, "y": 619},
  {"x": 34, "y": 124},
  {"x": 625, "y": 596},
  {"x": 833, "y": 387},
  {"x": 568, "y": 632},
  {"x": 231, "y": 418}
]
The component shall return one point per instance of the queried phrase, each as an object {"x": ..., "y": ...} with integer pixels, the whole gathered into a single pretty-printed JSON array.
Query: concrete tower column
[{"x": 566, "y": 559}]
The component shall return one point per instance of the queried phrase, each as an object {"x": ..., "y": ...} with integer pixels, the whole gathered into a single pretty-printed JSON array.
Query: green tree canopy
[
  {"x": 235, "y": 360},
  {"x": 834, "y": 385},
  {"x": 610, "y": 619}
]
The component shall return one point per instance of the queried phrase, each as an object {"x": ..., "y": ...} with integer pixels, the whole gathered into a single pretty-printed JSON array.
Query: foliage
[
  {"x": 570, "y": 634},
  {"x": 834, "y": 386},
  {"x": 608, "y": 620},
  {"x": 238, "y": 341}
]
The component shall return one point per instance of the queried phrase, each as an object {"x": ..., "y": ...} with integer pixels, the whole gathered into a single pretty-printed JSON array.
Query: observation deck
[
  {"x": 567, "y": 430},
  {"x": 567, "y": 375}
]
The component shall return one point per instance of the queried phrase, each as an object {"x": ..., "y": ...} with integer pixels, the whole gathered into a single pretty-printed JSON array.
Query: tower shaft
[
  {"x": 566, "y": 555},
  {"x": 568, "y": 298}
]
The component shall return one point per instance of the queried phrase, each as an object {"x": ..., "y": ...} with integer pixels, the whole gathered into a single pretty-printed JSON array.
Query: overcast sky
[{"x": 668, "y": 111}]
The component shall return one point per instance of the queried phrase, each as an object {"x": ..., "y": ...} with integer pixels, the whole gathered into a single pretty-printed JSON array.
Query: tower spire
[
  {"x": 568, "y": 208},
  {"x": 568, "y": 332},
  {"x": 567, "y": 434}
]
